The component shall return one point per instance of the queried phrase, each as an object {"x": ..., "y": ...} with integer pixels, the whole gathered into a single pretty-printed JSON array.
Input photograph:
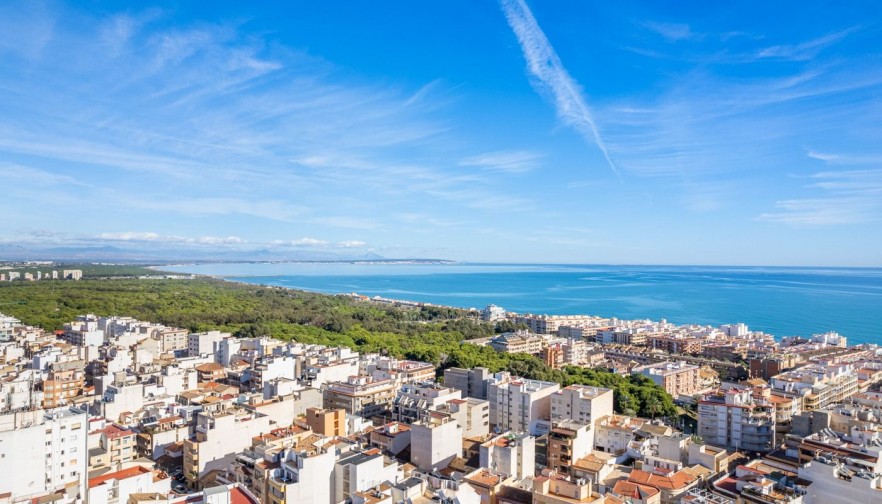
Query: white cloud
[
  {"x": 673, "y": 32},
  {"x": 352, "y": 244},
  {"x": 141, "y": 236},
  {"x": 847, "y": 197},
  {"x": 545, "y": 65},
  {"x": 504, "y": 161},
  {"x": 301, "y": 242},
  {"x": 804, "y": 50}
]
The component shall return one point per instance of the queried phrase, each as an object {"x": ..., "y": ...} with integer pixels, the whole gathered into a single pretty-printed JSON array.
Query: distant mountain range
[{"x": 163, "y": 255}]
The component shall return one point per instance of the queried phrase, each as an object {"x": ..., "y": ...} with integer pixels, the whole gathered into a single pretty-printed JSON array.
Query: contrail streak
[{"x": 546, "y": 67}]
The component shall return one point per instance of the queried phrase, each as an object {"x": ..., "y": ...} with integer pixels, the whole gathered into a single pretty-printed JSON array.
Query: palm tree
[{"x": 653, "y": 406}]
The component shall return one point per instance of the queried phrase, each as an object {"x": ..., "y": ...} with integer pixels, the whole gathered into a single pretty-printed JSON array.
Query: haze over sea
[{"x": 777, "y": 300}]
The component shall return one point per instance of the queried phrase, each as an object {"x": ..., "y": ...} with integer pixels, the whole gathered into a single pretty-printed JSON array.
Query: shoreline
[{"x": 475, "y": 310}]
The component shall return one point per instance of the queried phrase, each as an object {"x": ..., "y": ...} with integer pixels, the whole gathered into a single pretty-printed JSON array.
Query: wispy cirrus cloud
[
  {"x": 150, "y": 237},
  {"x": 551, "y": 77},
  {"x": 804, "y": 50},
  {"x": 843, "y": 197},
  {"x": 672, "y": 32},
  {"x": 504, "y": 161},
  {"x": 207, "y": 119}
]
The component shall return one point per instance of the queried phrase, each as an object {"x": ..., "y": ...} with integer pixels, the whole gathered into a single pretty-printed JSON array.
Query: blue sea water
[{"x": 776, "y": 300}]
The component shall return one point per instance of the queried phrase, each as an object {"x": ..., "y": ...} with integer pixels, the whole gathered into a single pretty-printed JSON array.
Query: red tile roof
[{"x": 118, "y": 475}]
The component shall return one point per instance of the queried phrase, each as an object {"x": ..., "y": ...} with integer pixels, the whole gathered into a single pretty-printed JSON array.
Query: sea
[{"x": 783, "y": 301}]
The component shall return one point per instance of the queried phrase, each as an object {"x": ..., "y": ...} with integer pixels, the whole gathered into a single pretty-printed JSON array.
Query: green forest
[{"x": 431, "y": 334}]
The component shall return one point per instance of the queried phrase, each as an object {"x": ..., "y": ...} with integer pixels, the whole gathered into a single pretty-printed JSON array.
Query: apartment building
[
  {"x": 518, "y": 342},
  {"x": 737, "y": 420},
  {"x": 471, "y": 382},
  {"x": 581, "y": 403},
  {"x": 568, "y": 442},
  {"x": 616, "y": 432},
  {"x": 218, "y": 437},
  {"x": 304, "y": 473},
  {"x": 401, "y": 371},
  {"x": 205, "y": 343},
  {"x": 361, "y": 471},
  {"x": 392, "y": 437},
  {"x": 360, "y": 395},
  {"x": 509, "y": 455},
  {"x": 841, "y": 467},
  {"x": 677, "y": 378},
  {"x": 473, "y": 415},
  {"x": 818, "y": 385},
  {"x": 435, "y": 442},
  {"x": 554, "y": 488},
  {"x": 675, "y": 344},
  {"x": 327, "y": 422},
  {"x": 116, "y": 445},
  {"x": 84, "y": 332},
  {"x": 118, "y": 486},
  {"x": 549, "y": 324},
  {"x": 63, "y": 383},
  {"x": 414, "y": 401},
  {"x": 519, "y": 404},
  {"x": 44, "y": 452}
]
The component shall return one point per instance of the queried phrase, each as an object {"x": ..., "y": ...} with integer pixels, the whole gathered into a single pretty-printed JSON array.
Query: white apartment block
[
  {"x": 737, "y": 420},
  {"x": 510, "y": 455},
  {"x": 305, "y": 474},
  {"x": 116, "y": 487},
  {"x": 414, "y": 400},
  {"x": 205, "y": 343},
  {"x": 218, "y": 438},
  {"x": 435, "y": 442},
  {"x": 582, "y": 404},
  {"x": 519, "y": 404},
  {"x": 361, "y": 471},
  {"x": 473, "y": 415},
  {"x": 42, "y": 452},
  {"x": 818, "y": 385}
]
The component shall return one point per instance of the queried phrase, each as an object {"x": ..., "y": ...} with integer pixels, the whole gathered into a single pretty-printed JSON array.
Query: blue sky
[{"x": 589, "y": 132}]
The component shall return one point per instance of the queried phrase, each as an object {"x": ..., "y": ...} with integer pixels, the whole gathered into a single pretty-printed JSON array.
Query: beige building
[
  {"x": 116, "y": 445},
  {"x": 360, "y": 395},
  {"x": 677, "y": 378},
  {"x": 64, "y": 383},
  {"x": 568, "y": 442},
  {"x": 327, "y": 422},
  {"x": 553, "y": 488}
]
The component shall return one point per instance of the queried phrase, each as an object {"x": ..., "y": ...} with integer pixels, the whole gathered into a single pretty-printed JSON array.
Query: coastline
[{"x": 342, "y": 284}]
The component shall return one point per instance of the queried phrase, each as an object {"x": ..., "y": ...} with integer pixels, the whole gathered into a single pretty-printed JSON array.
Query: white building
[
  {"x": 116, "y": 487},
  {"x": 510, "y": 455},
  {"x": 581, "y": 403},
  {"x": 518, "y": 404},
  {"x": 218, "y": 438},
  {"x": 205, "y": 343},
  {"x": 737, "y": 420},
  {"x": 435, "y": 442},
  {"x": 305, "y": 475},
  {"x": 493, "y": 313},
  {"x": 44, "y": 451},
  {"x": 360, "y": 471}
]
